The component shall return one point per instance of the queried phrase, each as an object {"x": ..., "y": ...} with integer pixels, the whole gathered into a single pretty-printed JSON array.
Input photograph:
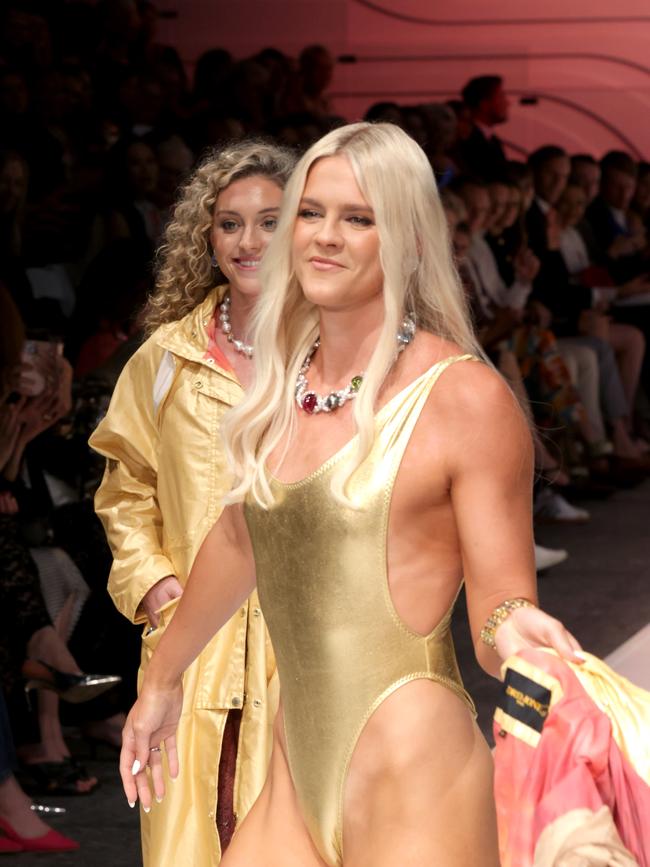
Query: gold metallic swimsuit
[{"x": 341, "y": 647}]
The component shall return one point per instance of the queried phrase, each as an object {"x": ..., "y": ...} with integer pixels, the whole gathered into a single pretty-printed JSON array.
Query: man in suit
[
  {"x": 621, "y": 244},
  {"x": 481, "y": 153}
]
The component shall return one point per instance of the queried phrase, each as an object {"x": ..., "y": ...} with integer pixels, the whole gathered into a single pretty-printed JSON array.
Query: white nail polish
[
  {"x": 131, "y": 804},
  {"x": 580, "y": 654},
  {"x": 135, "y": 768},
  {"x": 147, "y": 809},
  {"x": 158, "y": 800}
]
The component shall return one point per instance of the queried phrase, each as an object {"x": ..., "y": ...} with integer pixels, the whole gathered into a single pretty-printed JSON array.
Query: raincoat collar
[{"x": 188, "y": 337}]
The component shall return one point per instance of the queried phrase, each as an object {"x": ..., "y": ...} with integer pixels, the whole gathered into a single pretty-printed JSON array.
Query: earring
[{"x": 213, "y": 261}]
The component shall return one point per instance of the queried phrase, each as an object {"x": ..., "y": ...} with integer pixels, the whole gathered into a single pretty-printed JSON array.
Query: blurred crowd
[{"x": 100, "y": 124}]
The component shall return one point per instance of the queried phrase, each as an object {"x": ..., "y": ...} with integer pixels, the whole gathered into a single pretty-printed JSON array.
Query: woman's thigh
[
  {"x": 274, "y": 834},
  {"x": 419, "y": 788}
]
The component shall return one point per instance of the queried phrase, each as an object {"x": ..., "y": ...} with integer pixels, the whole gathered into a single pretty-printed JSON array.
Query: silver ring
[{"x": 154, "y": 749}]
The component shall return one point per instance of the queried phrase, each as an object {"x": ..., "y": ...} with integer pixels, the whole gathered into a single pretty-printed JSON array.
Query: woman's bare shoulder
[{"x": 472, "y": 399}]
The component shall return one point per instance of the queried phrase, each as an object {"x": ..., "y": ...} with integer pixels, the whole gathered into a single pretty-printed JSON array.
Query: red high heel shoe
[
  {"x": 50, "y": 842},
  {"x": 7, "y": 846}
]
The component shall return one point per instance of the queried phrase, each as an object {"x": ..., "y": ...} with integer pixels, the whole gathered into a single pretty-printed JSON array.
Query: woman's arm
[
  {"x": 491, "y": 466},
  {"x": 222, "y": 578},
  {"x": 126, "y": 500}
]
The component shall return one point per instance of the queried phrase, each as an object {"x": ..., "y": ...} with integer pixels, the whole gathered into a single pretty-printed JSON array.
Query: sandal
[{"x": 55, "y": 778}]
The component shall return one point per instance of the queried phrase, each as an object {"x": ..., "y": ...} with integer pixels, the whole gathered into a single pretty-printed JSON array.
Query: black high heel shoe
[{"x": 73, "y": 688}]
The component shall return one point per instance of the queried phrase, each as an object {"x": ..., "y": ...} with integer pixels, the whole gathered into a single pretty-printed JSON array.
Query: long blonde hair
[
  {"x": 185, "y": 273},
  {"x": 419, "y": 276}
]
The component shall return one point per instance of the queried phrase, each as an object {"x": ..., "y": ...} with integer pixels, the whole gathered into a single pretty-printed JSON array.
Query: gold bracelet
[{"x": 499, "y": 615}]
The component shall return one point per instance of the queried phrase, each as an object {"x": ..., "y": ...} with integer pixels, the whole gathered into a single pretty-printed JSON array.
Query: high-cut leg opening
[{"x": 455, "y": 688}]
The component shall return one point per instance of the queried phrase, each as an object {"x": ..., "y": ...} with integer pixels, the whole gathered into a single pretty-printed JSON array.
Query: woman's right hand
[
  {"x": 152, "y": 722},
  {"x": 160, "y": 594}
]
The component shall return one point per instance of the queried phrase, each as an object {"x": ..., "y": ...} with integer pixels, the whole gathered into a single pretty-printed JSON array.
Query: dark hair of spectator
[
  {"x": 619, "y": 161},
  {"x": 478, "y": 89},
  {"x": 584, "y": 159},
  {"x": 379, "y": 110},
  {"x": 466, "y": 182},
  {"x": 539, "y": 158},
  {"x": 517, "y": 170},
  {"x": 643, "y": 170},
  {"x": 210, "y": 72}
]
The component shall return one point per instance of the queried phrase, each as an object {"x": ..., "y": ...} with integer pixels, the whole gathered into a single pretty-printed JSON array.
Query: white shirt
[
  {"x": 620, "y": 217},
  {"x": 574, "y": 251},
  {"x": 482, "y": 258},
  {"x": 576, "y": 258}
]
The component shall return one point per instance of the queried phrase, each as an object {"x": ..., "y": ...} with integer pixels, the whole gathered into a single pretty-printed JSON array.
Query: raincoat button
[
  {"x": 198, "y": 384},
  {"x": 236, "y": 701},
  {"x": 256, "y": 612},
  {"x": 257, "y": 702}
]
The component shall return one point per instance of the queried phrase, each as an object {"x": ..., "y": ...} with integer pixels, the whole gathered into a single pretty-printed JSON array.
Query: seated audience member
[
  {"x": 211, "y": 72},
  {"x": 567, "y": 302},
  {"x": 627, "y": 341},
  {"x": 489, "y": 282},
  {"x": 506, "y": 233},
  {"x": 175, "y": 161},
  {"x": 529, "y": 360},
  {"x": 640, "y": 204},
  {"x": 111, "y": 293},
  {"x": 384, "y": 112},
  {"x": 551, "y": 170},
  {"x": 132, "y": 184},
  {"x": 440, "y": 124},
  {"x": 521, "y": 175},
  {"x": 414, "y": 124},
  {"x": 620, "y": 240},
  {"x": 315, "y": 71},
  {"x": 464, "y": 124},
  {"x": 585, "y": 173},
  {"x": 26, "y": 627},
  {"x": 481, "y": 154}
]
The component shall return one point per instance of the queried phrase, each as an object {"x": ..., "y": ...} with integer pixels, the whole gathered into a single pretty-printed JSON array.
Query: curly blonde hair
[{"x": 185, "y": 273}]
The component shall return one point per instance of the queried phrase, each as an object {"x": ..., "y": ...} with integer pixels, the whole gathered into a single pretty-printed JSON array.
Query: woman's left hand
[{"x": 532, "y": 628}]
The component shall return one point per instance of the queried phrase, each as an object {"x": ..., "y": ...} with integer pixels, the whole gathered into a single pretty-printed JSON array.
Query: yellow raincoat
[{"x": 161, "y": 493}]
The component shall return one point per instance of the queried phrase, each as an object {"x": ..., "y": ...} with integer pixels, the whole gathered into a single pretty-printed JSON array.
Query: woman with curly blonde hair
[{"x": 166, "y": 476}]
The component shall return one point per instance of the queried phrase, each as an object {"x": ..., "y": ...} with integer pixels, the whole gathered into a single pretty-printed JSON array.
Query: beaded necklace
[
  {"x": 226, "y": 328},
  {"x": 312, "y": 402}
]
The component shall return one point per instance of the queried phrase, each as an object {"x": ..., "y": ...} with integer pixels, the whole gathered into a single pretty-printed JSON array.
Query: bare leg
[
  {"x": 63, "y": 622},
  {"x": 419, "y": 765},
  {"x": 52, "y": 743},
  {"x": 15, "y": 809},
  {"x": 628, "y": 343},
  {"x": 273, "y": 834},
  {"x": 47, "y": 645}
]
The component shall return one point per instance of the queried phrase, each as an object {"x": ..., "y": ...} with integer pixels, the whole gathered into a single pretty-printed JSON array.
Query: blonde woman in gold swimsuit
[{"x": 369, "y": 483}]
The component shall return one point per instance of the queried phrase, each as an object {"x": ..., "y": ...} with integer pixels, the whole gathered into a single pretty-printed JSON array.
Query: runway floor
[{"x": 602, "y": 593}]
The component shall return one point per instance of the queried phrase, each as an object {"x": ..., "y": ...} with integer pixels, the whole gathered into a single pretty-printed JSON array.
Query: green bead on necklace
[{"x": 312, "y": 403}]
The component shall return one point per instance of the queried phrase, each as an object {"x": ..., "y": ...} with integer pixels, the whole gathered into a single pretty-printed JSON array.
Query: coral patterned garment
[
  {"x": 572, "y": 765},
  {"x": 213, "y": 350}
]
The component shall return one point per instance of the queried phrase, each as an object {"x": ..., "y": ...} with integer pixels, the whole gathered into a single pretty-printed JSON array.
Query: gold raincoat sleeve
[{"x": 126, "y": 500}]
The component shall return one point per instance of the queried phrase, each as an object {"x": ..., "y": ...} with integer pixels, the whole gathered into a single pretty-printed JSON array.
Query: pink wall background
[{"x": 586, "y": 61}]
